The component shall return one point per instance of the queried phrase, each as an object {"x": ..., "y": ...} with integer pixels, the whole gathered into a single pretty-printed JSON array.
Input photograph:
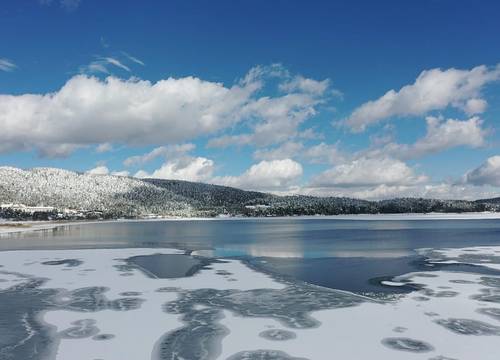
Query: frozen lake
[{"x": 246, "y": 289}]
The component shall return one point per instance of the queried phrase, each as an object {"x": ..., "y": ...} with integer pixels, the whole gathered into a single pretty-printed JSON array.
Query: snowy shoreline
[{"x": 26, "y": 226}]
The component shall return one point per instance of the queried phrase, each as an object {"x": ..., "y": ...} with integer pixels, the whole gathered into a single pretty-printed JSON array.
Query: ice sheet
[{"x": 95, "y": 305}]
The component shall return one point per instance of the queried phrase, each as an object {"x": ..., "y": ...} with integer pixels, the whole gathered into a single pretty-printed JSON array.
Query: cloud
[
  {"x": 101, "y": 66},
  {"x": 286, "y": 150},
  {"x": 368, "y": 172},
  {"x": 432, "y": 90},
  {"x": 273, "y": 120},
  {"x": 91, "y": 111},
  {"x": 259, "y": 73},
  {"x": 280, "y": 117},
  {"x": 60, "y": 150},
  {"x": 475, "y": 106},
  {"x": 310, "y": 134},
  {"x": 323, "y": 153},
  {"x": 266, "y": 176},
  {"x": 178, "y": 164},
  {"x": 103, "y": 170},
  {"x": 302, "y": 84},
  {"x": 99, "y": 170},
  {"x": 116, "y": 63},
  {"x": 441, "y": 135},
  {"x": 487, "y": 173},
  {"x": 103, "y": 148},
  {"x": 95, "y": 67},
  {"x": 87, "y": 110},
  {"x": 7, "y": 65},
  {"x": 375, "y": 175},
  {"x": 163, "y": 151},
  {"x": 230, "y": 140},
  {"x": 386, "y": 178},
  {"x": 198, "y": 169},
  {"x": 440, "y": 190},
  {"x": 277, "y": 118},
  {"x": 133, "y": 58}
]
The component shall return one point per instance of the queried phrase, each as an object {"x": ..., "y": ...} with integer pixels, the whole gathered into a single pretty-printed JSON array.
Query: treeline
[
  {"x": 214, "y": 200},
  {"x": 300, "y": 205}
]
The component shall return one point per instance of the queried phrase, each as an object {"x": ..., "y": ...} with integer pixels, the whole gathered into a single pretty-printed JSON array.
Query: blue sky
[{"x": 356, "y": 98}]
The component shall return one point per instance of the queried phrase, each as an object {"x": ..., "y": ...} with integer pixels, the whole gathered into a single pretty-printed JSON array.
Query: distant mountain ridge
[{"x": 117, "y": 196}]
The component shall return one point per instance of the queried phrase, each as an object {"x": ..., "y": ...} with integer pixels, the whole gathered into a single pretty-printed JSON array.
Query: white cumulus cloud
[
  {"x": 198, "y": 169},
  {"x": 450, "y": 133},
  {"x": 432, "y": 90},
  {"x": 99, "y": 170},
  {"x": 91, "y": 111},
  {"x": 368, "y": 172},
  {"x": 440, "y": 190},
  {"x": 87, "y": 110},
  {"x": 266, "y": 176},
  {"x": 487, "y": 173},
  {"x": 276, "y": 120},
  {"x": 173, "y": 151},
  {"x": 475, "y": 106},
  {"x": 323, "y": 153},
  {"x": 441, "y": 135}
]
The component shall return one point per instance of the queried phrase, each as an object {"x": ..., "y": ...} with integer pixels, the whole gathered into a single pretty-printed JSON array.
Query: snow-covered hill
[
  {"x": 124, "y": 196},
  {"x": 67, "y": 189}
]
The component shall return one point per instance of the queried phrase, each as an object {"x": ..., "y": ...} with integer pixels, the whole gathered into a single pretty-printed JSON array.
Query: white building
[{"x": 28, "y": 209}]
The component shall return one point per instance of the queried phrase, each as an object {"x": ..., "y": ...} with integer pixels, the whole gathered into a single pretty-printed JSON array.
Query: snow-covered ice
[
  {"x": 96, "y": 304},
  {"x": 486, "y": 256}
]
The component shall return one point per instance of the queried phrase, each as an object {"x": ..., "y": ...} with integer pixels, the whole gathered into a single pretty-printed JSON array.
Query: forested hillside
[{"x": 114, "y": 196}]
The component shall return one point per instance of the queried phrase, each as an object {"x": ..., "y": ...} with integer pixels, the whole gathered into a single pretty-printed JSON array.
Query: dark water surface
[
  {"x": 167, "y": 266},
  {"x": 337, "y": 253}
]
